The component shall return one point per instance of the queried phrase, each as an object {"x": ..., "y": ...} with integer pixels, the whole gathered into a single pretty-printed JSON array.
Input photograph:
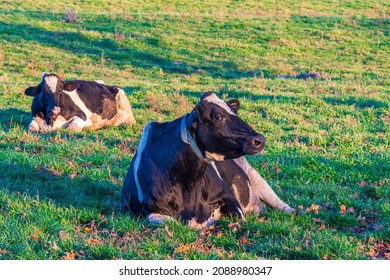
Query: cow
[
  {"x": 193, "y": 169},
  {"x": 77, "y": 104}
]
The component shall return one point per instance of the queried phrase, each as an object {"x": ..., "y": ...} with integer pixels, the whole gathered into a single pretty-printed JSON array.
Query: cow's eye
[{"x": 218, "y": 118}]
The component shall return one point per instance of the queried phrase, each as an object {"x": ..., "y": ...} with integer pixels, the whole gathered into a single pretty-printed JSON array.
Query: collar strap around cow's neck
[{"x": 187, "y": 138}]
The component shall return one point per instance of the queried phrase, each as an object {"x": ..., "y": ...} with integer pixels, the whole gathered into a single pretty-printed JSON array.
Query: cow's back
[
  {"x": 104, "y": 105},
  {"x": 98, "y": 98}
]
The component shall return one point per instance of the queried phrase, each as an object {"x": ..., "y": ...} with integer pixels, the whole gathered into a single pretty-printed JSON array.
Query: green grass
[{"x": 327, "y": 139}]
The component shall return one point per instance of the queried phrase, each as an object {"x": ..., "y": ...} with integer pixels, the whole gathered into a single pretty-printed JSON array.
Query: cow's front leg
[
  {"x": 34, "y": 126},
  {"x": 231, "y": 206},
  {"x": 261, "y": 188},
  {"x": 38, "y": 124},
  {"x": 76, "y": 124}
]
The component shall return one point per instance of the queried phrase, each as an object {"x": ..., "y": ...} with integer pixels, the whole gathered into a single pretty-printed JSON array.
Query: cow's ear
[
  {"x": 200, "y": 110},
  {"x": 70, "y": 86},
  {"x": 31, "y": 91},
  {"x": 235, "y": 104}
]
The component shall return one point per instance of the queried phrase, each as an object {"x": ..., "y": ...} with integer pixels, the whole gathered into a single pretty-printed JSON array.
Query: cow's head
[
  {"x": 47, "y": 96},
  {"x": 220, "y": 133}
]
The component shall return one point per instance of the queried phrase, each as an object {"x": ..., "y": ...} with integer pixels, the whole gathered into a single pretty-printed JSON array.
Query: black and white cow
[
  {"x": 77, "y": 104},
  {"x": 192, "y": 169}
]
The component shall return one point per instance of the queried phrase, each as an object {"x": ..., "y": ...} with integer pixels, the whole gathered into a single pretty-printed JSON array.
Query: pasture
[{"x": 327, "y": 151}]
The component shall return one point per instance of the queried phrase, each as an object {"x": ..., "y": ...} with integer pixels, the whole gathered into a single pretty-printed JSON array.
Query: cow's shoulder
[
  {"x": 93, "y": 87},
  {"x": 165, "y": 131},
  {"x": 71, "y": 108}
]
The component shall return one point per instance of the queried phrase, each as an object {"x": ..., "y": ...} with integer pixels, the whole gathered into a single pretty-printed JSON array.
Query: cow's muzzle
[
  {"x": 56, "y": 110},
  {"x": 52, "y": 114},
  {"x": 254, "y": 144}
]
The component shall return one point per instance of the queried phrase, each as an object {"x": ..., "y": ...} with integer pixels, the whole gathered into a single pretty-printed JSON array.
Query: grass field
[{"x": 327, "y": 151}]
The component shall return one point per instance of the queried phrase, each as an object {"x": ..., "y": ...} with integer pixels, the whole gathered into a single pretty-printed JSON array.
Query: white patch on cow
[
  {"x": 214, "y": 99},
  {"x": 76, "y": 100},
  {"x": 216, "y": 170},
  {"x": 51, "y": 82},
  {"x": 141, "y": 147},
  {"x": 236, "y": 193},
  {"x": 215, "y": 156},
  {"x": 100, "y": 82},
  {"x": 242, "y": 215},
  {"x": 158, "y": 219}
]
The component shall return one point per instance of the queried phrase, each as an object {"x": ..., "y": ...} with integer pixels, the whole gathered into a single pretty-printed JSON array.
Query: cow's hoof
[
  {"x": 208, "y": 224},
  {"x": 289, "y": 210},
  {"x": 158, "y": 219},
  {"x": 33, "y": 127}
]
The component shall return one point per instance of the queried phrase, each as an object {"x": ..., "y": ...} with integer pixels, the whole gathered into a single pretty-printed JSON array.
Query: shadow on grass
[
  {"x": 136, "y": 48},
  {"x": 359, "y": 103},
  {"x": 120, "y": 53},
  {"x": 63, "y": 190},
  {"x": 247, "y": 95},
  {"x": 11, "y": 116}
]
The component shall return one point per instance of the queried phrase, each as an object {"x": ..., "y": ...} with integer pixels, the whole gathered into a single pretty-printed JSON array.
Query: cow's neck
[
  {"x": 188, "y": 137},
  {"x": 196, "y": 162}
]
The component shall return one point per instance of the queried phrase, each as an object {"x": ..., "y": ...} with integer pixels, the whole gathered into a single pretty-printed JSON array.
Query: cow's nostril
[{"x": 256, "y": 143}]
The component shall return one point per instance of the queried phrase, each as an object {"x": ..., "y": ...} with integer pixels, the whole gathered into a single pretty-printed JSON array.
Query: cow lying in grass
[
  {"x": 192, "y": 169},
  {"x": 77, "y": 104}
]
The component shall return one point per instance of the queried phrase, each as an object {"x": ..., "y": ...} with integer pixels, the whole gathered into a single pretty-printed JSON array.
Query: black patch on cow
[
  {"x": 37, "y": 107},
  {"x": 98, "y": 98}
]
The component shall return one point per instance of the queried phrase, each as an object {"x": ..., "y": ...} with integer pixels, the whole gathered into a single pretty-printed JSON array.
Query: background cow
[
  {"x": 77, "y": 104},
  {"x": 186, "y": 169}
]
